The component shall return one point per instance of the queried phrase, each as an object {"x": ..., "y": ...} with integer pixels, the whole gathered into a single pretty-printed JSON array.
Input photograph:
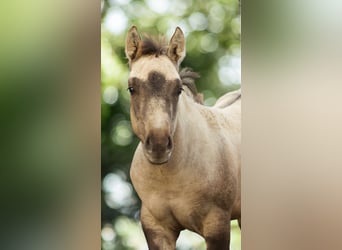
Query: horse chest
[
  {"x": 184, "y": 197},
  {"x": 186, "y": 209},
  {"x": 185, "y": 202}
]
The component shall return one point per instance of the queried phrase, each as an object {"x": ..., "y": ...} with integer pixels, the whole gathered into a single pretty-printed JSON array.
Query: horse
[{"x": 186, "y": 167}]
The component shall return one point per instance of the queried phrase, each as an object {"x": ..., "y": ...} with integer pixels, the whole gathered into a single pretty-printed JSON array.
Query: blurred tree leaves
[{"x": 212, "y": 30}]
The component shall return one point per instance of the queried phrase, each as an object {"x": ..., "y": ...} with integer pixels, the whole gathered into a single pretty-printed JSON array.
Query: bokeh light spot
[
  {"x": 216, "y": 18},
  {"x": 198, "y": 21},
  {"x": 160, "y": 6},
  {"x": 118, "y": 191},
  {"x": 116, "y": 21},
  {"x": 217, "y": 12},
  {"x": 107, "y": 233},
  {"x": 230, "y": 69},
  {"x": 209, "y": 43},
  {"x": 190, "y": 240},
  {"x": 122, "y": 133},
  {"x": 110, "y": 95}
]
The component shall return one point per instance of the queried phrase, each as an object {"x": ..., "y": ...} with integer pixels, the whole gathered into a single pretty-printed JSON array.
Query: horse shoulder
[{"x": 224, "y": 134}]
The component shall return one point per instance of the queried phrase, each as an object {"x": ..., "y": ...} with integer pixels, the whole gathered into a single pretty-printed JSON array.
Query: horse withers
[{"x": 186, "y": 168}]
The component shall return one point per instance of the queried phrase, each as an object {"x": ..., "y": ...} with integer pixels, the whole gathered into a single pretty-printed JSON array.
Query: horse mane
[
  {"x": 188, "y": 79},
  {"x": 158, "y": 46}
]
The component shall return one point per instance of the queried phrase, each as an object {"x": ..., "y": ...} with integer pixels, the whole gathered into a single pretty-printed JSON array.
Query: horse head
[{"x": 155, "y": 85}]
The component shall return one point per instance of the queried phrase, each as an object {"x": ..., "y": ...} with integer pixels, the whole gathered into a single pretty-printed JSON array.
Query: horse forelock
[{"x": 156, "y": 46}]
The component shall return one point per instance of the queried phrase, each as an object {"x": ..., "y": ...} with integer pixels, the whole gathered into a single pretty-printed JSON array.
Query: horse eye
[{"x": 131, "y": 90}]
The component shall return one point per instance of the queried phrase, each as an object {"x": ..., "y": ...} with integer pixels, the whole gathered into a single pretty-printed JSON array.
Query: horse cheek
[{"x": 137, "y": 125}]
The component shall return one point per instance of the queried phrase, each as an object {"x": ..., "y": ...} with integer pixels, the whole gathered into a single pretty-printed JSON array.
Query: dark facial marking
[
  {"x": 155, "y": 86},
  {"x": 156, "y": 80}
]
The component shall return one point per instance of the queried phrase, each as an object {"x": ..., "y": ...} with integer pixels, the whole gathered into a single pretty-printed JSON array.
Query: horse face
[{"x": 155, "y": 86}]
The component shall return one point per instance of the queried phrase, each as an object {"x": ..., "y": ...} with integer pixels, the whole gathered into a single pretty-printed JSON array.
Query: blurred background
[{"x": 212, "y": 30}]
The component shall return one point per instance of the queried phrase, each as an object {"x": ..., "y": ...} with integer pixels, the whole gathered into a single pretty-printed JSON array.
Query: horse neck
[{"x": 188, "y": 126}]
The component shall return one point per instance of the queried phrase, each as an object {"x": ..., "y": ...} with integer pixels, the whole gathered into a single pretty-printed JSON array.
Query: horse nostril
[
  {"x": 158, "y": 143},
  {"x": 169, "y": 143},
  {"x": 148, "y": 142}
]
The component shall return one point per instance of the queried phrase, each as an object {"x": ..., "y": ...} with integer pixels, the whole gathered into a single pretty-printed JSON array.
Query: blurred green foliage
[{"x": 212, "y": 30}]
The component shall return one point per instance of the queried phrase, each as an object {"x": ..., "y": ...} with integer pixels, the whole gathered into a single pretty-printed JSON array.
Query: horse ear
[
  {"x": 176, "y": 50},
  {"x": 132, "y": 43}
]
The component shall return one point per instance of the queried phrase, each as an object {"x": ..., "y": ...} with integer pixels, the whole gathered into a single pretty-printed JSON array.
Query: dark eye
[
  {"x": 179, "y": 91},
  {"x": 131, "y": 90}
]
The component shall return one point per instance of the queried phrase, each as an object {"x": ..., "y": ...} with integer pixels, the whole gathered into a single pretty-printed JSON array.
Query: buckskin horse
[{"x": 186, "y": 168}]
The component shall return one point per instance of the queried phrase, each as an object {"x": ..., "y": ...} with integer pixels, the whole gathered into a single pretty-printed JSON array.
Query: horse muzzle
[{"x": 158, "y": 147}]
